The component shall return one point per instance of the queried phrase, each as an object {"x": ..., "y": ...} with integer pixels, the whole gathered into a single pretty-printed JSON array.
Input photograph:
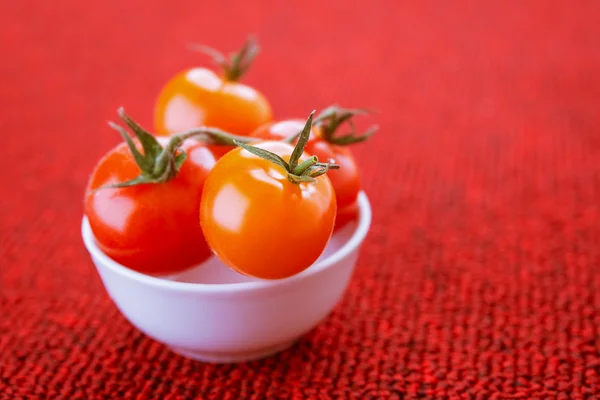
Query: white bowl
[{"x": 211, "y": 313}]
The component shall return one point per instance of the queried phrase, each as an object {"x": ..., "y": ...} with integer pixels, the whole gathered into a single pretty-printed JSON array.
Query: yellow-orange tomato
[
  {"x": 198, "y": 97},
  {"x": 258, "y": 222}
]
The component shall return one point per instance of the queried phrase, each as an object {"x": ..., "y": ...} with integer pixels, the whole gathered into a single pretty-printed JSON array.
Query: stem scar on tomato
[{"x": 306, "y": 171}]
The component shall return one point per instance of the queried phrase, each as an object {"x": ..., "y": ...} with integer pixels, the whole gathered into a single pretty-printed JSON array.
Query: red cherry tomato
[
  {"x": 151, "y": 228},
  {"x": 345, "y": 181},
  {"x": 199, "y": 97},
  {"x": 258, "y": 222}
]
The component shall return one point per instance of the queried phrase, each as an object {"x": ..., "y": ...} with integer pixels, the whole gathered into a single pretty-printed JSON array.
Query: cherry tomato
[
  {"x": 152, "y": 227},
  {"x": 345, "y": 181},
  {"x": 258, "y": 222},
  {"x": 199, "y": 97}
]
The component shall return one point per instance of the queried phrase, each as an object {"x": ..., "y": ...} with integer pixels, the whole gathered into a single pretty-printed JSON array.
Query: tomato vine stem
[
  {"x": 160, "y": 164},
  {"x": 331, "y": 118},
  {"x": 238, "y": 64}
]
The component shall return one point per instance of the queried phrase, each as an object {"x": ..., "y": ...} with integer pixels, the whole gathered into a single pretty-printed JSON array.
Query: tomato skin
[
  {"x": 345, "y": 181},
  {"x": 198, "y": 97},
  {"x": 278, "y": 130},
  {"x": 219, "y": 150},
  {"x": 258, "y": 222},
  {"x": 150, "y": 228},
  {"x": 345, "y": 215}
]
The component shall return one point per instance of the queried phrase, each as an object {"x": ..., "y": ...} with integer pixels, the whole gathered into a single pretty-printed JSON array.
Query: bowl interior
[
  {"x": 215, "y": 276},
  {"x": 213, "y": 271}
]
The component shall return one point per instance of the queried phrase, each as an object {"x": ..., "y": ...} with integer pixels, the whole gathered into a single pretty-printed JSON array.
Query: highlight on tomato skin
[
  {"x": 282, "y": 130},
  {"x": 199, "y": 97}
]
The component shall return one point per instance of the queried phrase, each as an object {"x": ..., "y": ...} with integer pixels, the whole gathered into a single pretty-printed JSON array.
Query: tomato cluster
[{"x": 220, "y": 176}]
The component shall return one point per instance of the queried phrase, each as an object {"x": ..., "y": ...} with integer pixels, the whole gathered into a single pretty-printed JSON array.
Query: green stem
[
  {"x": 302, "y": 141},
  {"x": 215, "y": 136},
  {"x": 330, "y": 120},
  {"x": 327, "y": 165},
  {"x": 160, "y": 164},
  {"x": 306, "y": 164},
  {"x": 238, "y": 63}
]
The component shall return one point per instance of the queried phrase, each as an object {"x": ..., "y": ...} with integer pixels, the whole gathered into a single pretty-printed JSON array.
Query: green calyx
[
  {"x": 297, "y": 172},
  {"x": 160, "y": 164},
  {"x": 238, "y": 63},
  {"x": 331, "y": 118}
]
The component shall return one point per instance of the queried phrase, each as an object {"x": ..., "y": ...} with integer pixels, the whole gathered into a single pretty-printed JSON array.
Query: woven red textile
[{"x": 480, "y": 277}]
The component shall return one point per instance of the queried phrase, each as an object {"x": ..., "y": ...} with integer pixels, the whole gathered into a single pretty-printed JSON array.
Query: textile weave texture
[{"x": 479, "y": 278}]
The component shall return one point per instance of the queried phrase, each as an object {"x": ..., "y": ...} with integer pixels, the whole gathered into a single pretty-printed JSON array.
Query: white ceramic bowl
[{"x": 211, "y": 313}]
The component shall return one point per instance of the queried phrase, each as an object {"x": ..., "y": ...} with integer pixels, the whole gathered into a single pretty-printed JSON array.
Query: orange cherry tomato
[
  {"x": 258, "y": 222},
  {"x": 345, "y": 181},
  {"x": 149, "y": 227},
  {"x": 199, "y": 97}
]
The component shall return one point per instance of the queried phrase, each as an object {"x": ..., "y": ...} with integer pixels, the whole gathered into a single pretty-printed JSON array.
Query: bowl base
[{"x": 227, "y": 358}]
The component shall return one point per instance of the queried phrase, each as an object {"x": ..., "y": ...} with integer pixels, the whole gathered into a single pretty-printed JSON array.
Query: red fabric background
[{"x": 479, "y": 278}]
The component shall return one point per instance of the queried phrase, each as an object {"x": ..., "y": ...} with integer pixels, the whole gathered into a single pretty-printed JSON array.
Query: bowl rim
[{"x": 362, "y": 228}]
